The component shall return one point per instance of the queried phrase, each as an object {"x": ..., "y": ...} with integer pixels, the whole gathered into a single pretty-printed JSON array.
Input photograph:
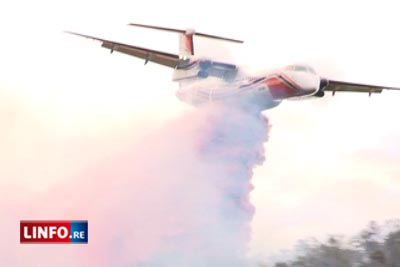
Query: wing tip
[{"x": 77, "y": 34}]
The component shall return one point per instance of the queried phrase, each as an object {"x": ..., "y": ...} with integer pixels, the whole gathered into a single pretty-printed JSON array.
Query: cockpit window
[
  {"x": 311, "y": 70},
  {"x": 300, "y": 68}
]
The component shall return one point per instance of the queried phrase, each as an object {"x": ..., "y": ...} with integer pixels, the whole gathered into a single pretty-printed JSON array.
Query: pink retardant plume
[{"x": 178, "y": 197}]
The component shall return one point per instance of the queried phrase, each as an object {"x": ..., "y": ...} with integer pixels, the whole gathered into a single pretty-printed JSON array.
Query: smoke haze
[{"x": 177, "y": 197}]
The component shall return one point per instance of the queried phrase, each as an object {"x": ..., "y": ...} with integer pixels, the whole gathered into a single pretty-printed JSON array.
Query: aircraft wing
[
  {"x": 162, "y": 58},
  {"x": 339, "y": 86}
]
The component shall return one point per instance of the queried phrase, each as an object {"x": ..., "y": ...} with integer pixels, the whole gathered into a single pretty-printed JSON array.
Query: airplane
[{"x": 203, "y": 80}]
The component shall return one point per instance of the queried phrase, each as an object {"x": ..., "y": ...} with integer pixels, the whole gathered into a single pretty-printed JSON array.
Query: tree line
[{"x": 375, "y": 246}]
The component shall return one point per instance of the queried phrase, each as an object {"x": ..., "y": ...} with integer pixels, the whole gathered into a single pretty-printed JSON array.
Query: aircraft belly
[{"x": 256, "y": 95}]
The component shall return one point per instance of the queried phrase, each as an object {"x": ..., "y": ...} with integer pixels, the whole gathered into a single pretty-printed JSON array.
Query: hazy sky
[{"x": 331, "y": 163}]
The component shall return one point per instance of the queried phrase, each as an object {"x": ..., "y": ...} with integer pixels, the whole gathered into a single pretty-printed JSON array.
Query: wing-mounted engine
[
  {"x": 204, "y": 68},
  {"x": 322, "y": 85},
  {"x": 217, "y": 69}
]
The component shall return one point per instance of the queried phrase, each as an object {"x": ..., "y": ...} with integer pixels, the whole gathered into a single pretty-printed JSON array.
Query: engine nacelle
[
  {"x": 322, "y": 85},
  {"x": 205, "y": 64},
  {"x": 202, "y": 74}
]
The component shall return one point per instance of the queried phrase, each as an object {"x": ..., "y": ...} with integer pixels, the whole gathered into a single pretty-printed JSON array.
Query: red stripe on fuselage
[{"x": 280, "y": 86}]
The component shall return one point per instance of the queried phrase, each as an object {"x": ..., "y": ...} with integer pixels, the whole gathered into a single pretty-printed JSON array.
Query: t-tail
[
  {"x": 186, "y": 46},
  {"x": 189, "y": 68}
]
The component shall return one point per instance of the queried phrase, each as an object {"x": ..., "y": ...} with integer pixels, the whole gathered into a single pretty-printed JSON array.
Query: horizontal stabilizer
[{"x": 186, "y": 32}]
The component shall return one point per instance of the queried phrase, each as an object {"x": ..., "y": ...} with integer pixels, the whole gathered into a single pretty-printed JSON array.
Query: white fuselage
[{"x": 211, "y": 81}]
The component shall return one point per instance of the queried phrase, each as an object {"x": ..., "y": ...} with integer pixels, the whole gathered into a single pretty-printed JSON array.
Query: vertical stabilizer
[{"x": 186, "y": 48}]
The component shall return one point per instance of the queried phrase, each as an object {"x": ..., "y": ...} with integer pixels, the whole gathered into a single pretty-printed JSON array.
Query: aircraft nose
[{"x": 308, "y": 82}]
